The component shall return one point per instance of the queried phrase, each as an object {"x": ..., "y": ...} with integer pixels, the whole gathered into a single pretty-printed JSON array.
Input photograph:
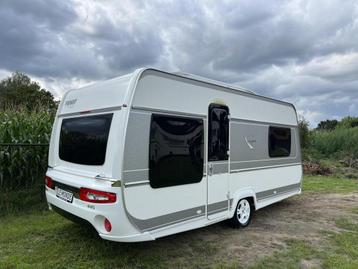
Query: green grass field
[{"x": 42, "y": 239}]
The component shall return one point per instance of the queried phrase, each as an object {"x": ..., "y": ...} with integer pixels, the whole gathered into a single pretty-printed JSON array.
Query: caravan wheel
[{"x": 243, "y": 213}]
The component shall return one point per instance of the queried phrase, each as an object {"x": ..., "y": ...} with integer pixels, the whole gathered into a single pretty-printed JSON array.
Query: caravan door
[{"x": 218, "y": 161}]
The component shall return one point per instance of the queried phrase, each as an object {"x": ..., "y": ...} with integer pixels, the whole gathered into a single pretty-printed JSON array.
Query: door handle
[{"x": 210, "y": 169}]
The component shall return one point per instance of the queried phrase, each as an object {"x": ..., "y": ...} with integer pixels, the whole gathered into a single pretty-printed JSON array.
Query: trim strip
[
  {"x": 223, "y": 205},
  {"x": 168, "y": 219},
  {"x": 265, "y": 123},
  {"x": 140, "y": 176},
  {"x": 179, "y": 216},
  {"x": 163, "y": 111},
  {"x": 136, "y": 183},
  {"x": 263, "y": 167},
  {"x": 130, "y": 176},
  {"x": 268, "y": 159},
  {"x": 100, "y": 110},
  {"x": 277, "y": 191},
  {"x": 220, "y": 168}
]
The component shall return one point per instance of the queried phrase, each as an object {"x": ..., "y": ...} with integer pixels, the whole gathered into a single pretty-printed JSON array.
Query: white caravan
[{"x": 152, "y": 153}]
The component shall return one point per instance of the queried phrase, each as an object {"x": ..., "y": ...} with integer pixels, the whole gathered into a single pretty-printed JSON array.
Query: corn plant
[{"x": 24, "y": 136}]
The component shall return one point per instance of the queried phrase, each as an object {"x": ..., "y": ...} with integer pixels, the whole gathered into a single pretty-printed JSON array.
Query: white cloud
[
  {"x": 313, "y": 117},
  {"x": 4, "y": 74}
]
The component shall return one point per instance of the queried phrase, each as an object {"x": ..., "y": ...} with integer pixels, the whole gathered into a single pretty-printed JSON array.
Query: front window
[
  {"x": 83, "y": 140},
  {"x": 279, "y": 142}
]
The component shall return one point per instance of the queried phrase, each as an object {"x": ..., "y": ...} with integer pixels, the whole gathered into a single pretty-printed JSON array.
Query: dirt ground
[{"x": 302, "y": 217}]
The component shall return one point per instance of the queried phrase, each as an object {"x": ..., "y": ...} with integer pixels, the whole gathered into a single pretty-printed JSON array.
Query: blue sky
[{"x": 304, "y": 52}]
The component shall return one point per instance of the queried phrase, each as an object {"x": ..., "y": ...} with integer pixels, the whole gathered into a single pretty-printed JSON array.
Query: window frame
[{"x": 270, "y": 130}]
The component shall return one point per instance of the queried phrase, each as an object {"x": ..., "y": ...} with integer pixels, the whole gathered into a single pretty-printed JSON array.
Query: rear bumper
[{"x": 95, "y": 214}]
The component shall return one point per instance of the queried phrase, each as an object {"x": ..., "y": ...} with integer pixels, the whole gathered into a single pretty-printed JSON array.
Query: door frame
[{"x": 209, "y": 164}]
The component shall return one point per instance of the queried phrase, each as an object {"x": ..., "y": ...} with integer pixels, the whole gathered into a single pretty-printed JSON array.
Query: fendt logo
[
  {"x": 71, "y": 102},
  {"x": 250, "y": 141}
]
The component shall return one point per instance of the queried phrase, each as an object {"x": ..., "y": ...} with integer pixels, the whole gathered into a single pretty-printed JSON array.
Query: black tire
[{"x": 243, "y": 214}]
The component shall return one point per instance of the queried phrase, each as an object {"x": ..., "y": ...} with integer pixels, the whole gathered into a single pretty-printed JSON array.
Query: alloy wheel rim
[{"x": 243, "y": 211}]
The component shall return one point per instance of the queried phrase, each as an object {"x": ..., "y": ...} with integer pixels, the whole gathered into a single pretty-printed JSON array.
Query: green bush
[
  {"x": 338, "y": 143},
  {"x": 304, "y": 133},
  {"x": 23, "y": 166}
]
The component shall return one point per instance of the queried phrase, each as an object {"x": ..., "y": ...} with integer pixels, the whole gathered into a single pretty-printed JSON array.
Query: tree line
[{"x": 19, "y": 91}]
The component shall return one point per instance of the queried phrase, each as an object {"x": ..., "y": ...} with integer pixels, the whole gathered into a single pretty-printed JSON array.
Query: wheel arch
[{"x": 240, "y": 194}]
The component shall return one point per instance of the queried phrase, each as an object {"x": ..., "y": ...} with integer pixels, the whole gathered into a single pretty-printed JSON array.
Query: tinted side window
[
  {"x": 83, "y": 140},
  {"x": 176, "y": 151},
  {"x": 218, "y": 133},
  {"x": 279, "y": 142}
]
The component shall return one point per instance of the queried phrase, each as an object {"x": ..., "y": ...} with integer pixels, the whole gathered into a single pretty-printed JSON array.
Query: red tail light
[
  {"x": 49, "y": 182},
  {"x": 94, "y": 196}
]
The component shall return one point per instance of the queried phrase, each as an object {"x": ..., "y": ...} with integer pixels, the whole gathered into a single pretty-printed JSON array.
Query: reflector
[{"x": 107, "y": 225}]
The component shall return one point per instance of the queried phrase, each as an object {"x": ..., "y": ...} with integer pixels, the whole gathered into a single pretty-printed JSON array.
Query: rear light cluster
[
  {"x": 49, "y": 182},
  {"x": 88, "y": 195},
  {"x": 94, "y": 196}
]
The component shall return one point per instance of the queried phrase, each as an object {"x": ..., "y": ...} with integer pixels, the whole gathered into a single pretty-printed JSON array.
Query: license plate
[{"x": 64, "y": 195}]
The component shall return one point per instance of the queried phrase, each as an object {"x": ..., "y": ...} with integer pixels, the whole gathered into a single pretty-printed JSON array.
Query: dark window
[
  {"x": 176, "y": 151},
  {"x": 279, "y": 142},
  {"x": 83, "y": 140},
  {"x": 218, "y": 132}
]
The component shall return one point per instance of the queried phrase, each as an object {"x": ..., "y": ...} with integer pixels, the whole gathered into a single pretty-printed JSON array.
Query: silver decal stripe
[
  {"x": 223, "y": 205},
  {"x": 136, "y": 183},
  {"x": 168, "y": 219},
  {"x": 100, "y": 110},
  {"x": 258, "y": 164},
  {"x": 142, "y": 175},
  {"x": 220, "y": 168},
  {"x": 136, "y": 175},
  {"x": 265, "y": 123},
  {"x": 277, "y": 191},
  {"x": 219, "y": 207},
  {"x": 179, "y": 216},
  {"x": 263, "y": 167}
]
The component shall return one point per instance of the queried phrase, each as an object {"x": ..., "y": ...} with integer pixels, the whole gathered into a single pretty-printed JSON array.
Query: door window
[
  {"x": 218, "y": 141},
  {"x": 176, "y": 150}
]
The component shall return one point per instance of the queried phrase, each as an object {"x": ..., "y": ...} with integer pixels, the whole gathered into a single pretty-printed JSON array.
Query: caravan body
[{"x": 153, "y": 153}]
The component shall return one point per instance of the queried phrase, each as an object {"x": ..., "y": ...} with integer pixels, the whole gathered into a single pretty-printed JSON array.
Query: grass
[
  {"x": 42, "y": 239},
  {"x": 331, "y": 184},
  {"x": 21, "y": 201},
  {"x": 296, "y": 251},
  {"x": 47, "y": 240},
  {"x": 344, "y": 250}
]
